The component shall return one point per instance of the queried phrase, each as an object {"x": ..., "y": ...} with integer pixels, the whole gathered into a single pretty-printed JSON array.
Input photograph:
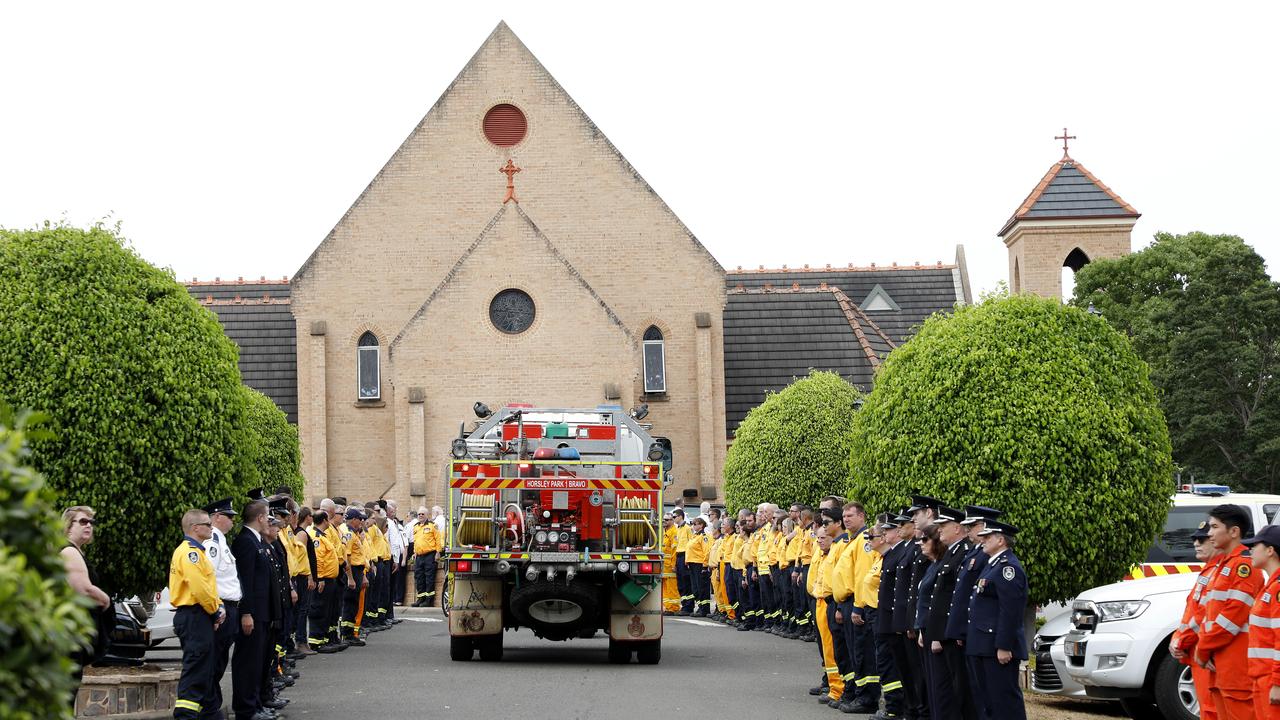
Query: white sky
[{"x": 229, "y": 138}]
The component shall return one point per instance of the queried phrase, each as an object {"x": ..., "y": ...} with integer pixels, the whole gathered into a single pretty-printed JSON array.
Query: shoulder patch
[
  {"x": 213, "y": 552},
  {"x": 1244, "y": 570},
  {"x": 866, "y": 547},
  {"x": 1008, "y": 572},
  {"x": 193, "y": 556}
]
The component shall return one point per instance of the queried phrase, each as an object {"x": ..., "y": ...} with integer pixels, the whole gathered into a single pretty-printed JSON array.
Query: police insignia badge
[
  {"x": 866, "y": 547},
  {"x": 213, "y": 552},
  {"x": 193, "y": 557},
  {"x": 982, "y": 583},
  {"x": 1008, "y": 572},
  {"x": 1243, "y": 571}
]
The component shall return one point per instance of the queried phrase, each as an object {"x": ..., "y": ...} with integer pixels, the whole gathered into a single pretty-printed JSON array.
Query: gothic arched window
[
  {"x": 655, "y": 361},
  {"x": 368, "y": 371}
]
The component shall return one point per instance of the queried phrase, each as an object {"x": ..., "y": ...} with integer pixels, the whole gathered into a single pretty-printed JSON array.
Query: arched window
[
  {"x": 368, "y": 371},
  {"x": 1075, "y": 260},
  {"x": 655, "y": 361}
]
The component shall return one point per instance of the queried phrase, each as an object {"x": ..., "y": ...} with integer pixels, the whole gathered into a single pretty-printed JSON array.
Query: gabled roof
[
  {"x": 257, "y": 316},
  {"x": 774, "y": 335},
  {"x": 918, "y": 290},
  {"x": 1070, "y": 192}
]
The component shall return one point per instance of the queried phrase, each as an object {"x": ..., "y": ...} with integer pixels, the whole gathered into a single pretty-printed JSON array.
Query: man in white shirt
[
  {"x": 224, "y": 570},
  {"x": 395, "y": 536},
  {"x": 442, "y": 522}
]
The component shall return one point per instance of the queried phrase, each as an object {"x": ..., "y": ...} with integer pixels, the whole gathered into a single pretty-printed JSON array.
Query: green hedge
[
  {"x": 1038, "y": 409},
  {"x": 41, "y": 618},
  {"x": 793, "y": 447},
  {"x": 139, "y": 380},
  {"x": 273, "y": 456}
]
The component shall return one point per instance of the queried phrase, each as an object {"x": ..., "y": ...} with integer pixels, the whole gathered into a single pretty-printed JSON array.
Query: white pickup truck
[{"x": 1118, "y": 644}]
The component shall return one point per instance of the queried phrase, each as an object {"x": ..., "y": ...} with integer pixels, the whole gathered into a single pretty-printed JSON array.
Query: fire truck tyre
[
  {"x": 490, "y": 647},
  {"x": 1174, "y": 691},
  {"x": 619, "y": 653},
  {"x": 555, "y": 611},
  {"x": 649, "y": 652},
  {"x": 460, "y": 648}
]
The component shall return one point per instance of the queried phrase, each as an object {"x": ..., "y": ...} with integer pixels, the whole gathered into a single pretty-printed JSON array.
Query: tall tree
[{"x": 1204, "y": 314}]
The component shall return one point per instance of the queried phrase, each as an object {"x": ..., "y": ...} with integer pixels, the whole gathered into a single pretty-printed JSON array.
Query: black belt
[{"x": 231, "y": 603}]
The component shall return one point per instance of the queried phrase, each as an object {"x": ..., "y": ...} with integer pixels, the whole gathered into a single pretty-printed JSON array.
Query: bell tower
[{"x": 1069, "y": 219}]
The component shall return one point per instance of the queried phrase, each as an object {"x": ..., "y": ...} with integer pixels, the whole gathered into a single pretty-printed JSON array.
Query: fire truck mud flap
[
  {"x": 638, "y": 622},
  {"x": 475, "y": 606},
  {"x": 555, "y": 610}
]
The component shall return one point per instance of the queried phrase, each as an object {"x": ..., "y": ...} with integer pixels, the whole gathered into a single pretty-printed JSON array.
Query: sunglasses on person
[
  {"x": 86, "y": 522},
  {"x": 205, "y": 524}
]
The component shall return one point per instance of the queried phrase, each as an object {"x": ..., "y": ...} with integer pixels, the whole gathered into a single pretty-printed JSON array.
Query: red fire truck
[{"x": 555, "y": 525}]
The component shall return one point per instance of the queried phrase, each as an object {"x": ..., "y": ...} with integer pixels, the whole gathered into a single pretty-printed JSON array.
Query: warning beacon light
[{"x": 482, "y": 411}]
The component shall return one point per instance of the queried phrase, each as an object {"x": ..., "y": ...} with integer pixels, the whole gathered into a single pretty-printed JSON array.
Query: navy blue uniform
[
  {"x": 253, "y": 566},
  {"x": 890, "y": 678},
  {"x": 975, "y": 561},
  {"x": 996, "y": 609},
  {"x": 905, "y": 654},
  {"x": 949, "y": 694}
]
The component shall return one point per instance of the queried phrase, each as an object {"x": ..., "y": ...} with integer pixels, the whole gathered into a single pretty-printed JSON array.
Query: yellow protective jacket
[
  {"x": 426, "y": 538},
  {"x": 837, "y": 583},
  {"x": 296, "y": 552},
  {"x": 698, "y": 549},
  {"x": 764, "y": 541},
  {"x": 808, "y": 546},
  {"x": 334, "y": 533},
  {"x": 353, "y": 546},
  {"x": 717, "y": 551},
  {"x": 733, "y": 553},
  {"x": 867, "y": 593},
  {"x": 326, "y": 555},
  {"x": 851, "y": 572},
  {"x": 683, "y": 533},
  {"x": 191, "y": 578},
  {"x": 814, "y": 583}
]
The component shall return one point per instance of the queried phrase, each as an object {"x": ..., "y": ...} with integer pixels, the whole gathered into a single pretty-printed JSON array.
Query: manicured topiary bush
[
  {"x": 793, "y": 447},
  {"x": 1033, "y": 407},
  {"x": 41, "y": 619},
  {"x": 139, "y": 381},
  {"x": 273, "y": 455}
]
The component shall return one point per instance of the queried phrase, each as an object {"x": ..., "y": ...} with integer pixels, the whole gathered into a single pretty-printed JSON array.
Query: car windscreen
[{"x": 1174, "y": 543}]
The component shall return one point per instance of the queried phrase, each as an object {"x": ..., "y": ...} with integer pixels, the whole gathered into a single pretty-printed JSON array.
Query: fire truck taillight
[
  {"x": 644, "y": 568},
  {"x": 463, "y": 566}
]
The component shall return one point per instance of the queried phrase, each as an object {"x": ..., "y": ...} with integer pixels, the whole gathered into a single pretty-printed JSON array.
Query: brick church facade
[{"x": 438, "y": 289}]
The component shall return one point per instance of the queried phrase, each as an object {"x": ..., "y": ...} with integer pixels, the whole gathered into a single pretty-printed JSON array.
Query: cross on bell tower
[
  {"x": 1064, "y": 137},
  {"x": 510, "y": 170}
]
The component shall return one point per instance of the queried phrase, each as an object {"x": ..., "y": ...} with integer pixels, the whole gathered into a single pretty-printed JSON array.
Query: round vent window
[
  {"x": 511, "y": 311},
  {"x": 505, "y": 125}
]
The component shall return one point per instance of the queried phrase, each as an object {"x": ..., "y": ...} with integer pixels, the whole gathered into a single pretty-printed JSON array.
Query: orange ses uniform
[
  {"x": 1264, "y": 649},
  {"x": 1224, "y": 637},
  {"x": 1188, "y": 632}
]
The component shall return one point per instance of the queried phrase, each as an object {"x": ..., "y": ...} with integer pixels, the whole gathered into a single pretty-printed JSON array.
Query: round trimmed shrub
[
  {"x": 794, "y": 446},
  {"x": 1039, "y": 409},
  {"x": 273, "y": 456}
]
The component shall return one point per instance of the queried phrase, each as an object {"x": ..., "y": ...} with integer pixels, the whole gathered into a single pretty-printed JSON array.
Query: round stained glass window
[{"x": 511, "y": 311}]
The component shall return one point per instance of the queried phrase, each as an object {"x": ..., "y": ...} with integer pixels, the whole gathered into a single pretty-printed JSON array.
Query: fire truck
[{"x": 555, "y": 525}]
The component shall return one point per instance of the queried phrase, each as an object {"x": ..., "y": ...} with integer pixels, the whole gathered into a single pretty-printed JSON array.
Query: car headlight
[
  {"x": 553, "y": 536},
  {"x": 540, "y": 537},
  {"x": 1121, "y": 610}
]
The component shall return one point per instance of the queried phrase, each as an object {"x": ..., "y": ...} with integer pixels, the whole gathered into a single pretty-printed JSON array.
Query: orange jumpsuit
[
  {"x": 1188, "y": 631},
  {"x": 1264, "y": 649},
  {"x": 1224, "y": 637}
]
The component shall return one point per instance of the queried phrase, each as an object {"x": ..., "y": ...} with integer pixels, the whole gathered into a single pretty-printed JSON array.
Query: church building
[{"x": 507, "y": 252}]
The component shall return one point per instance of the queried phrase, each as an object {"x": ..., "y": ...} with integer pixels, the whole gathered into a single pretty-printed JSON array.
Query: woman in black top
[{"x": 78, "y": 523}]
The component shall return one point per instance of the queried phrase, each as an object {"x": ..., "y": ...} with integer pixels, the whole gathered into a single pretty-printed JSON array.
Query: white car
[
  {"x": 1050, "y": 676},
  {"x": 1118, "y": 646}
]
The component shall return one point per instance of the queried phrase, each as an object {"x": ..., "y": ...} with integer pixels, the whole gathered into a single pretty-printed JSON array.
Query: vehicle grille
[{"x": 1045, "y": 678}]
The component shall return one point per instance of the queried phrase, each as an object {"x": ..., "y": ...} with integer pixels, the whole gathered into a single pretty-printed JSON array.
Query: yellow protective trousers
[{"x": 829, "y": 666}]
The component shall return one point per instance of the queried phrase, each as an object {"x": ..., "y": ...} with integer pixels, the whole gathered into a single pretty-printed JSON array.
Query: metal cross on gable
[
  {"x": 510, "y": 170},
  {"x": 1064, "y": 137}
]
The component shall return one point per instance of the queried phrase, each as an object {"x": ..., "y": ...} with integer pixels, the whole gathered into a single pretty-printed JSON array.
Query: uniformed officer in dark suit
[
  {"x": 923, "y": 510},
  {"x": 949, "y": 695},
  {"x": 976, "y": 517},
  {"x": 996, "y": 640},
  {"x": 905, "y": 656},
  {"x": 890, "y": 678},
  {"x": 253, "y": 565}
]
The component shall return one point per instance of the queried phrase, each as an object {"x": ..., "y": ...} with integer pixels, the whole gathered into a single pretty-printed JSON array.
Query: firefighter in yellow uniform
[
  {"x": 716, "y": 566},
  {"x": 426, "y": 551},
  {"x": 808, "y": 547},
  {"x": 198, "y": 612},
  {"x": 860, "y": 560},
  {"x": 794, "y": 611},
  {"x": 734, "y": 569},
  {"x": 322, "y": 620},
  {"x": 670, "y": 586},
  {"x": 839, "y": 586},
  {"x": 684, "y": 583},
  {"x": 832, "y": 685},
  {"x": 751, "y": 611},
  {"x": 353, "y": 595},
  {"x": 765, "y": 563},
  {"x": 697, "y": 553},
  {"x": 377, "y": 545}
]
